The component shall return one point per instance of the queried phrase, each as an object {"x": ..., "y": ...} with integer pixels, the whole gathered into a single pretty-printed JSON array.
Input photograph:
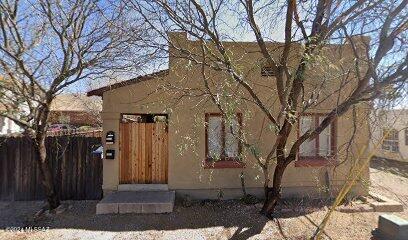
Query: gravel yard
[{"x": 202, "y": 220}]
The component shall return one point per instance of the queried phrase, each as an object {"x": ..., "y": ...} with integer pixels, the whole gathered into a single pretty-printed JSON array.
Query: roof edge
[{"x": 99, "y": 91}]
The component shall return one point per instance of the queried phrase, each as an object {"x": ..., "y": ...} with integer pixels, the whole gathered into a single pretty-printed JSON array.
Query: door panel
[{"x": 143, "y": 153}]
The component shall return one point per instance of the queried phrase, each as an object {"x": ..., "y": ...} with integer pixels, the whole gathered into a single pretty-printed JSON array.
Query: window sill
[
  {"x": 208, "y": 164},
  {"x": 315, "y": 162}
]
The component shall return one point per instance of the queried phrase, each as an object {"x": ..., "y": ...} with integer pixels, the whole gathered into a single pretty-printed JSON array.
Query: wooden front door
[{"x": 143, "y": 152}]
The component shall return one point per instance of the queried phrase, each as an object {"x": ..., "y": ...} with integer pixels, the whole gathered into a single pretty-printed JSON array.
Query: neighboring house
[
  {"x": 7, "y": 125},
  {"x": 76, "y": 110},
  {"x": 153, "y": 134},
  {"x": 390, "y": 134}
]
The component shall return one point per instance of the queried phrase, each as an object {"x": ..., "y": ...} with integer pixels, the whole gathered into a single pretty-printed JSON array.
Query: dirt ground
[{"x": 204, "y": 220}]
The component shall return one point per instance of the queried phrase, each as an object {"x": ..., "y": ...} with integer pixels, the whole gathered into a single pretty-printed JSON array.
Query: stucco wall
[{"x": 187, "y": 131}]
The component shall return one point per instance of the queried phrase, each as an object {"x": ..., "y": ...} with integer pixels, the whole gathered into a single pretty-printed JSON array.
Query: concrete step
[
  {"x": 137, "y": 202},
  {"x": 143, "y": 187}
]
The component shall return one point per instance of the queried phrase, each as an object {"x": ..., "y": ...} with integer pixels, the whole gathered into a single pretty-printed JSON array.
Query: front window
[
  {"x": 390, "y": 140},
  {"x": 320, "y": 147},
  {"x": 223, "y": 138}
]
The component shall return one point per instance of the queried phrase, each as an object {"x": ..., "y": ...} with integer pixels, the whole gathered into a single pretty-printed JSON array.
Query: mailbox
[
  {"x": 110, "y": 137},
  {"x": 110, "y": 154}
]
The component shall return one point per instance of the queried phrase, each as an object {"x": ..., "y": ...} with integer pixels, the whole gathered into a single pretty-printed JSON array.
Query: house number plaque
[{"x": 110, "y": 137}]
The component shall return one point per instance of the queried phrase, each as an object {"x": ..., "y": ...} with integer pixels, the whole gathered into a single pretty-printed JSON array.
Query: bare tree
[
  {"x": 379, "y": 65},
  {"x": 47, "y": 46}
]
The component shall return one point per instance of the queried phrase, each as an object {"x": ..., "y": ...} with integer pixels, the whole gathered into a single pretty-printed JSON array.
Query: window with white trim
[{"x": 390, "y": 140}]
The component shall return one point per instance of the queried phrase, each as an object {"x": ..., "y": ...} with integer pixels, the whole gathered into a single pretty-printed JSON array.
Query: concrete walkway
[{"x": 137, "y": 202}]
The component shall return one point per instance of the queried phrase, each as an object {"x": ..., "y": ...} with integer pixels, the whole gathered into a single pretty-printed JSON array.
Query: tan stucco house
[{"x": 159, "y": 129}]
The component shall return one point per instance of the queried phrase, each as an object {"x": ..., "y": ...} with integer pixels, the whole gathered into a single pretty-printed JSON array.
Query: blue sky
[{"x": 229, "y": 26}]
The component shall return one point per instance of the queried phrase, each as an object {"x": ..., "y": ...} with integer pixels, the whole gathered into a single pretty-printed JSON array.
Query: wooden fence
[
  {"x": 75, "y": 132},
  {"x": 77, "y": 172}
]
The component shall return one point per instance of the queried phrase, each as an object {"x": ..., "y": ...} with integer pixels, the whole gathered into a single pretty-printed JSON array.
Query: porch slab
[
  {"x": 143, "y": 187},
  {"x": 137, "y": 202},
  {"x": 385, "y": 204}
]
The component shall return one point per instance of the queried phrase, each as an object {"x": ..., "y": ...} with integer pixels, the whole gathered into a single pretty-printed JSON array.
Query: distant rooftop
[{"x": 77, "y": 103}]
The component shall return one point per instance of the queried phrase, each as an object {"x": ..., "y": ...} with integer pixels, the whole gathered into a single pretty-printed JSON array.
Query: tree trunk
[
  {"x": 45, "y": 172},
  {"x": 273, "y": 194}
]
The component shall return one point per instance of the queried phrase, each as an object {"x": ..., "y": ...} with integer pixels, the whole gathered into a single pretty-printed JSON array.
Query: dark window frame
[
  {"x": 406, "y": 136},
  {"x": 144, "y": 117},
  {"x": 224, "y": 162}
]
